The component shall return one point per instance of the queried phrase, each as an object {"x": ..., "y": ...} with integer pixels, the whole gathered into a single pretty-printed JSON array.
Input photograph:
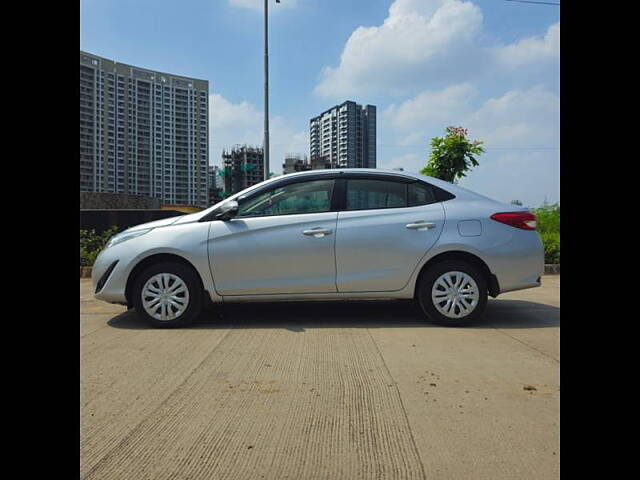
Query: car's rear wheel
[
  {"x": 168, "y": 295},
  {"x": 453, "y": 293}
]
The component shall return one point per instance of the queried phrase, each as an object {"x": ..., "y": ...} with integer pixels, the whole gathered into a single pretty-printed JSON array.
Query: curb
[
  {"x": 85, "y": 272},
  {"x": 552, "y": 269}
]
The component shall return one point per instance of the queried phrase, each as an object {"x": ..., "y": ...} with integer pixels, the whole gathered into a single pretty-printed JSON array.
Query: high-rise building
[
  {"x": 243, "y": 167},
  {"x": 143, "y": 132},
  {"x": 344, "y": 136},
  {"x": 295, "y": 163}
]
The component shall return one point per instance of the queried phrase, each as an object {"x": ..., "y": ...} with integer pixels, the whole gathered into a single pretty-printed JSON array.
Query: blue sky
[{"x": 491, "y": 66}]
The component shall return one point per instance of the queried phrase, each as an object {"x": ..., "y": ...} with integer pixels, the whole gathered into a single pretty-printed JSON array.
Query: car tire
[
  {"x": 448, "y": 289},
  {"x": 168, "y": 295}
]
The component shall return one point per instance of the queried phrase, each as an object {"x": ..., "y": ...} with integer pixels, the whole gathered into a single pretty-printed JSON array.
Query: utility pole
[{"x": 266, "y": 90}]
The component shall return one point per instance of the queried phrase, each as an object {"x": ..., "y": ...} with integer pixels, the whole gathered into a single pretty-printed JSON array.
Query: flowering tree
[{"x": 452, "y": 155}]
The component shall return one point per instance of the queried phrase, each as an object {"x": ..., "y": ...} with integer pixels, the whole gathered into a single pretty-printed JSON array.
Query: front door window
[{"x": 295, "y": 198}]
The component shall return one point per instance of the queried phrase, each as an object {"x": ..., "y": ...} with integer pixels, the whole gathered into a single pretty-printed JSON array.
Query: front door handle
[
  {"x": 421, "y": 225},
  {"x": 317, "y": 232}
]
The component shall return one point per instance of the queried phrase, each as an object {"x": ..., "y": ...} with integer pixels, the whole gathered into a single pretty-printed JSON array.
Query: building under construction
[
  {"x": 242, "y": 167},
  {"x": 321, "y": 162},
  {"x": 295, "y": 163}
]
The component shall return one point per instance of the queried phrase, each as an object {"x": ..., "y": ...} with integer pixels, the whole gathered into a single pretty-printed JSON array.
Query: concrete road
[{"x": 324, "y": 390}]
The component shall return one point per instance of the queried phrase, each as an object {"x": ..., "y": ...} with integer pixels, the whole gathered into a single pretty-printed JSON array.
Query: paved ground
[{"x": 331, "y": 391}]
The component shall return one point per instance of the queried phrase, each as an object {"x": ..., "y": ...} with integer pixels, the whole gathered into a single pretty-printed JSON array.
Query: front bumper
[
  {"x": 109, "y": 287},
  {"x": 105, "y": 276}
]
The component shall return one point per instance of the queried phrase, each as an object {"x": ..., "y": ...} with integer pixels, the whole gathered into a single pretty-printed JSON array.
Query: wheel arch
[
  {"x": 152, "y": 260},
  {"x": 492, "y": 280}
]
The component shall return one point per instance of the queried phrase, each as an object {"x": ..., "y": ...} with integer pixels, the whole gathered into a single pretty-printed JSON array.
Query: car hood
[
  {"x": 165, "y": 222},
  {"x": 156, "y": 223}
]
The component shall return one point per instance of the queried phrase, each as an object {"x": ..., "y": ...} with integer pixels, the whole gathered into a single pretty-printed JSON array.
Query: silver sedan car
[{"x": 329, "y": 234}]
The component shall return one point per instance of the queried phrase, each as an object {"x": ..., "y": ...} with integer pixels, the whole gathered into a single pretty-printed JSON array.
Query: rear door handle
[
  {"x": 317, "y": 232},
  {"x": 421, "y": 225}
]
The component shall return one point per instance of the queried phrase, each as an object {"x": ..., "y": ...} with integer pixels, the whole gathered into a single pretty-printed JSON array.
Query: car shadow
[{"x": 299, "y": 316}]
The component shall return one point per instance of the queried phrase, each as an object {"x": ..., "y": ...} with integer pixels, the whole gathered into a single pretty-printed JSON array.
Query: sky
[{"x": 491, "y": 66}]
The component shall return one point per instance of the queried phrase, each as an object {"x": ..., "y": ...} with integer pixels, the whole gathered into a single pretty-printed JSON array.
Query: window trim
[{"x": 339, "y": 194}]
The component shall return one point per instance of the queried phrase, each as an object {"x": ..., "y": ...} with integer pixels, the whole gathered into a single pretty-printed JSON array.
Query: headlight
[{"x": 124, "y": 236}]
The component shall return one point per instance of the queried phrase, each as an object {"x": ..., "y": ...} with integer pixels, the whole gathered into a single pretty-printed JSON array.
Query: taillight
[{"x": 523, "y": 220}]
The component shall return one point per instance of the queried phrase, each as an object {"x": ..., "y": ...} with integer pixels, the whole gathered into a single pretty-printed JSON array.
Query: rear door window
[
  {"x": 420, "y": 194},
  {"x": 363, "y": 194}
]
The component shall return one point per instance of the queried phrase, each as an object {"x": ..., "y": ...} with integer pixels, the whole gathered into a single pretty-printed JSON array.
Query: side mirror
[{"x": 227, "y": 210}]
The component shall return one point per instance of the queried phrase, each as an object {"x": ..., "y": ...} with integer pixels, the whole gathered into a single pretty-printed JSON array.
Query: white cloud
[
  {"x": 531, "y": 50},
  {"x": 430, "y": 107},
  {"x": 258, "y": 5},
  {"x": 225, "y": 114},
  {"x": 242, "y": 123},
  {"x": 520, "y": 118},
  {"x": 425, "y": 8},
  {"x": 417, "y": 40},
  {"x": 520, "y": 130},
  {"x": 439, "y": 41}
]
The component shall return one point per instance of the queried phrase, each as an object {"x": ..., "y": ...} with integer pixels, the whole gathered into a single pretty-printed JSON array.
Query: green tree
[
  {"x": 548, "y": 217},
  {"x": 91, "y": 243},
  {"x": 452, "y": 155}
]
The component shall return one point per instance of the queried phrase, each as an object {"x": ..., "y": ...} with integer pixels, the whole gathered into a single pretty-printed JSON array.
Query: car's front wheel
[
  {"x": 168, "y": 295},
  {"x": 453, "y": 293}
]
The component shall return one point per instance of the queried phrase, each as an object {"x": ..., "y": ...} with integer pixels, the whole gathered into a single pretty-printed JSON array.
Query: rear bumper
[
  {"x": 522, "y": 286},
  {"x": 518, "y": 263}
]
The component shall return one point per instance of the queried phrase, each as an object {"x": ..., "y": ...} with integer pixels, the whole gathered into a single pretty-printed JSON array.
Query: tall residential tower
[
  {"x": 143, "y": 132},
  {"x": 344, "y": 136}
]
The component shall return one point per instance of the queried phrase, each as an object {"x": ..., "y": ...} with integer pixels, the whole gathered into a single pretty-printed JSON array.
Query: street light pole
[{"x": 266, "y": 90}]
